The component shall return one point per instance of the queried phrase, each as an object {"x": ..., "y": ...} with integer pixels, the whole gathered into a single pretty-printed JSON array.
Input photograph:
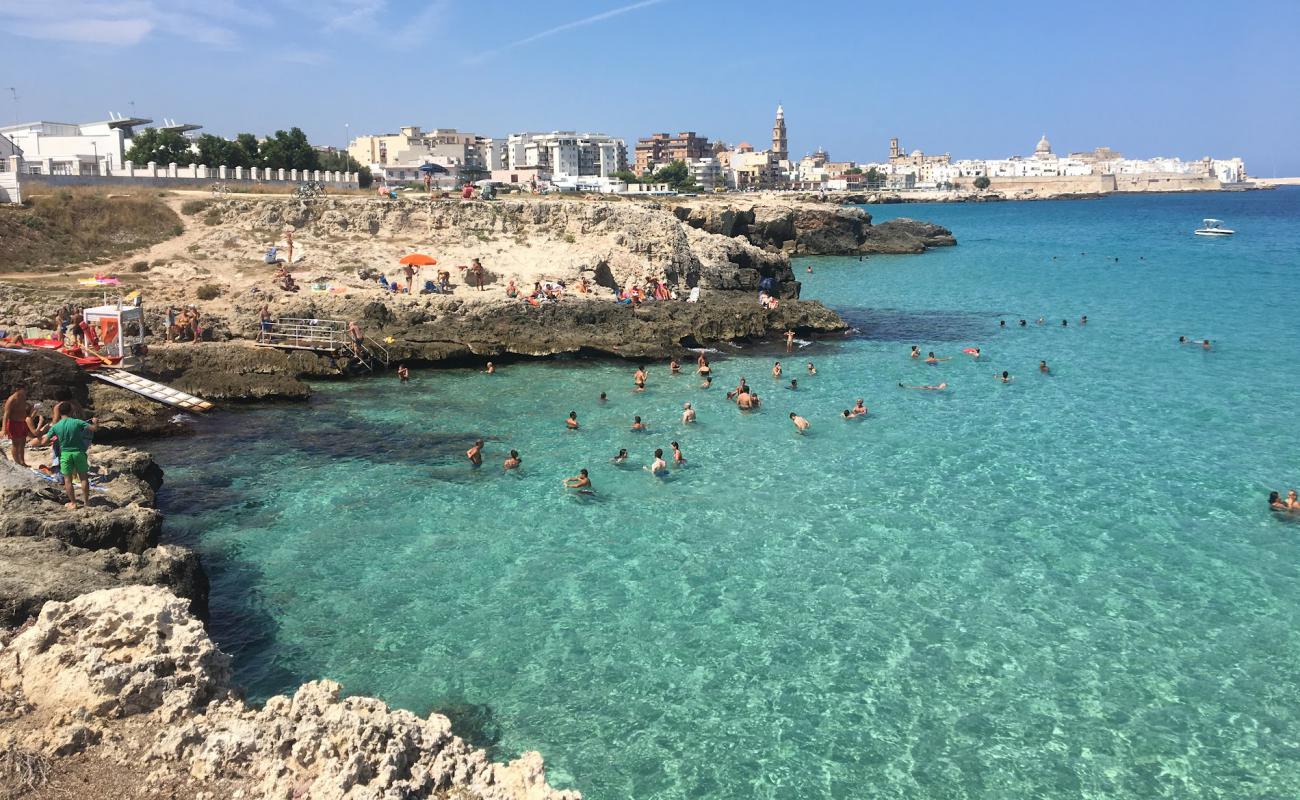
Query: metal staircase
[{"x": 328, "y": 336}]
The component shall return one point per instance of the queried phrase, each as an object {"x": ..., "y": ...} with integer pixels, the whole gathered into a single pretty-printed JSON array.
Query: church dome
[{"x": 1044, "y": 146}]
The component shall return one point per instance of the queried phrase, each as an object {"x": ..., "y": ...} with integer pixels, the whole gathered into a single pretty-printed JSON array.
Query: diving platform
[
  {"x": 153, "y": 390},
  {"x": 324, "y": 336}
]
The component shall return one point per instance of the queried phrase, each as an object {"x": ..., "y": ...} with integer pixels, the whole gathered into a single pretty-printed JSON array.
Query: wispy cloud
[
  {"x": 339, "y": 15},
  {"x": 293, "y": 55},
  {"x": 568, "y": 26},
  {"x": 128, "y": 22}
]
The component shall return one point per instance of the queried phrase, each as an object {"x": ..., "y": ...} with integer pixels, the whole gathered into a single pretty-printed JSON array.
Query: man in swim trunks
[
  {"x": 572, "y": 421},
  {"x": 931, "y": 359},
  {"x": 859, "y": 409},
  {"x": 513, "y": 461},
  {"x": 491, "y": 368},
  {"x": 789, "y": 341},
  {"x": 603, "y": 398},
  {"x": 637, "y": 424},
  {"x": 794, "y": 384},
  {"x": 800, "y": 424},
  {"x": 475, "y": 454},
  {"x": 744, "y": 400},
  {"x": 579, "y": 481},
  {"x": 659, "y": 467},
  {"x": 358, "y": 336},
  {"x": 638, "y": 378},
  {"x": 1005, "y": 377},
  {"x": 16, "y": 411},
  {"x": 71, "y": 433},
  {"x": 688, "y": 414},
  {"x": 1043, "y": 368}
]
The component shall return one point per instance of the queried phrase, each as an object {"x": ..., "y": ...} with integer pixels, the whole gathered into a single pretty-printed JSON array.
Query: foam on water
[{"x": 1063, "y": 587}]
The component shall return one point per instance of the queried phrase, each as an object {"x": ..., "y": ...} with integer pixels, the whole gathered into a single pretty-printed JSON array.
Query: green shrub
[{"x": 208, "y": 291}]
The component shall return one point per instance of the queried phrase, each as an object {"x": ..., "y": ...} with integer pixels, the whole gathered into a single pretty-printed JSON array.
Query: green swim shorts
[{"x": 72, "y": 462}]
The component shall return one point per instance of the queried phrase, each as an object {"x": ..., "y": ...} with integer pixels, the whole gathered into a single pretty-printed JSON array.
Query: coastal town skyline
[{"x": 1153, "y": 105}]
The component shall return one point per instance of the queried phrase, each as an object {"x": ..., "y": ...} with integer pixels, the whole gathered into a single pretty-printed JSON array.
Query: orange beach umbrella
[{"x": 419, "y": 260}]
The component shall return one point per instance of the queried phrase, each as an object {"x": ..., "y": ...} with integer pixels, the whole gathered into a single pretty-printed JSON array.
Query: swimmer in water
[
  {"x": 1039, "y": 321},
  {"x": 927, "y": 387},
  {"x": 1205, "y": 344},
  {"x": 688, "y": 414},
  {"x": 1065, "y": 323},
  {"x": 1043, "y": 368},
  {"x": 811, "y": 369},
  {"x": 1083, "y": 320},
  {"x": 1005, "y": 377},
  {"x": 1023, "y": 323},
  {"x": 1002, "y": 323},
  {"x": 475, "y": 454},
  {"x": 931, "y": 359},
  {"x": 800, "y": 424},
  {"x": 745, "y": 401},
  {"x": 572, "y": 421},
  {"x": 621, "y": 457},
  {"x": 794, "y": 384},
  {"x": 847, "y": 415},
  {"x": 1275, "y": 502},
  {"x": 708, "y": 382},
  {"x": 702, "y": 365},
  {"x": 916, "y": 352},
  {"x": 637, "y": 424},
  {"x": 1292, "y": 503},
  {"x": 974, "y": 353},
  {"x": 776, "y": 370},
  {"x": 809, "y": 270},
  {"x": 659, "y": 467},
  {"x": 678, "y": 458},
  {"x": 403, "y": 373},
  {"x": 638, "y": 378},
  {"x": 491, "y": 368},
  {"x": 603, "y": 398},
  {"x": 579, "y": 481},
  {"x": 513, "y": 461},
  {"x": 674, "y": 368},
  {"x": 859, "y": 409}
]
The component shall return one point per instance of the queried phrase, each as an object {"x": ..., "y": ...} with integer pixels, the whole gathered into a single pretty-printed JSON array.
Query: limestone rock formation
[{"x": 128, "y": 675}]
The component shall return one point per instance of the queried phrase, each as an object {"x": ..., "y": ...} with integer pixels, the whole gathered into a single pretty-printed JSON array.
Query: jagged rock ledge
[{"x": 124, "y": 684}]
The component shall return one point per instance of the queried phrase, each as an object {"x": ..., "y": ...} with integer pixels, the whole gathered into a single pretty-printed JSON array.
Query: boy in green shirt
[{"x": 71, "y": 433}]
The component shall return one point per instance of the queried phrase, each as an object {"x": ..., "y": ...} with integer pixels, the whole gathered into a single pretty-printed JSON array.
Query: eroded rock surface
[{"x": 129, "y": 676}]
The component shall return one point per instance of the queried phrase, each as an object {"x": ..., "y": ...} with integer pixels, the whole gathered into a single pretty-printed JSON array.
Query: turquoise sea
[{"x": 1069, "y": 586}]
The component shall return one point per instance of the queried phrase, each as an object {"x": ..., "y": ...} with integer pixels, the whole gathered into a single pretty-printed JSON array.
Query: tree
[
  {"x": 853, "y": 171},
  {"x": 247, "y": 148},
  {"x": 160, "y": 147},
  {"x": 875, "y": 177},
  {"x": 677, "y": 175},
  {"x": 626, "y": 175},
  {"x": 982, "y": 182},
  {"x": 289, "y": 150}
]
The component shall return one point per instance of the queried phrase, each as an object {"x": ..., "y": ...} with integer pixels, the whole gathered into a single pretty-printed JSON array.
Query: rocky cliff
[
  {"x": 125, "y": 682},
  {"x": 807, "y": 228}
]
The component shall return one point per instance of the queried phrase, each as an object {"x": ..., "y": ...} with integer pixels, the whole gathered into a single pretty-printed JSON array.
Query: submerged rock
[{"x": 129, "y": 676}]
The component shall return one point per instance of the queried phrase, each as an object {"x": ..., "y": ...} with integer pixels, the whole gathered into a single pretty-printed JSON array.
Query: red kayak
[{"x": 84, "y": 360}]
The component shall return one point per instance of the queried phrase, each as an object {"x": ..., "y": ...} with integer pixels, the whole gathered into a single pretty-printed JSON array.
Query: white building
[
  {"x": 707, "y": 172},
  {"x": 63, "y": 148},
  {"x": 566, "y": 153}
]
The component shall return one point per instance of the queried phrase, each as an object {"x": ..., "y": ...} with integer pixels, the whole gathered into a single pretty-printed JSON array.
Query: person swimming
[
  {"x": 1083, "y": 320},
  {"x": 572, "y": 421},
  {"x": 1002, "y": 323},
  {"x": 638, "y": 378},
  {"x": 776, "y": 370},
  {"x": 688, "y": 414},
  {"x": 637, "y": 424},
  {"x": 811, "y": 369},
  {"x": 673, "y": 367},
  {"x": 1043, "y": 368},
  {"x": 513, "y": 461},
  {"x": 603, "y": 398},
  {"x": 800, "y": 424},
  {"x": 932, "y": 359},
  {"x": 621, "y": 457},
  {"x": 1023, "y": 323},
  {"x": 916, "y": 352},
  {"x": 659, "y": 467},
  {"x": 708, "y": 382},
  {"x": 491, "y": 368},
  {"x": 925, "y": 387},
  {"x": 847, "y": 414},
  {"x": 1005, "y": 377},
  {"x": 859, "y": 409},
  {"x": 678, "y": 458},
  {"x": 475, "y": 454},
  {"x": 1065, "y": 323},
  {"x": 581, "y": 481},
  {"x": 794, "y": 384},
  {"x": 1276, "y": 502},
  {"x": 973, "y": 352}
]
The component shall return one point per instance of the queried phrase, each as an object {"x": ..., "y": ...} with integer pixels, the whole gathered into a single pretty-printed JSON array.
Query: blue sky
[{"x": 975, "y": 79}]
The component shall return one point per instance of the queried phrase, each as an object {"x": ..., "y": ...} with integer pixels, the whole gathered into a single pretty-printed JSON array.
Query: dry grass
[
  {"x": 75, "y": 225},
  {"x": 21, "y": 772}
]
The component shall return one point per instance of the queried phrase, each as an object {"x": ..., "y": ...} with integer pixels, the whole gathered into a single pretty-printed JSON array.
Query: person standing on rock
[
  {"x": 17, "y": 410},
  {"x": 358, "y": 336},
  {"x": 288, "y": 244},
  {"x": 71, "y": 433},
  {"x": 476, "y": 269},
  {"x": 789, "y": 341}
]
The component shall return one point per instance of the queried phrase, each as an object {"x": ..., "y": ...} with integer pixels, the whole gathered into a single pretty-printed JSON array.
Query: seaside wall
[
  {"x": 1166, "y": 182},
  {"x": 1062, "y": 184},
  {"x": 19, "y": 171}
]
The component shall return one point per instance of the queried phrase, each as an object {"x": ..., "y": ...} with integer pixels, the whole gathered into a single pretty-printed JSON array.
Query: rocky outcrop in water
[
  {"x": 127, "y": 678},
  {"x": 805, "y": 228}
]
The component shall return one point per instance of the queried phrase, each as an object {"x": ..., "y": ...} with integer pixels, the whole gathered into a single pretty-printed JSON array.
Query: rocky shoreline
[{"x": 115, "y": 679}]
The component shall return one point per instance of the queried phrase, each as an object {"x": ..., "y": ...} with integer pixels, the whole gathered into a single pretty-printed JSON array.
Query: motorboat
[{"x": 1213, "y": 227}]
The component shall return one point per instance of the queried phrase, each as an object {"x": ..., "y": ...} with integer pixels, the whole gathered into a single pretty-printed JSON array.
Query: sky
[{"x": 977, "y": 80}]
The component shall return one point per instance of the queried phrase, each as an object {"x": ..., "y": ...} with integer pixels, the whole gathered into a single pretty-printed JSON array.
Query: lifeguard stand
[{"x": 117, "y": 339}]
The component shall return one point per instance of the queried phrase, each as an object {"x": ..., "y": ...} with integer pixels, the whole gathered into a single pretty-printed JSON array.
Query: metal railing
[{"x": 328, "y": 335}]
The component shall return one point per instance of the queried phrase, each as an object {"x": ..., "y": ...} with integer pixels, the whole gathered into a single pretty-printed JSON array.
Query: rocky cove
[{"x": 113, "y": 674}]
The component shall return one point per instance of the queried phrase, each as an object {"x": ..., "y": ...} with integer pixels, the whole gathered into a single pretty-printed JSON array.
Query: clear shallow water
[{"x": 1064, "y": 587}]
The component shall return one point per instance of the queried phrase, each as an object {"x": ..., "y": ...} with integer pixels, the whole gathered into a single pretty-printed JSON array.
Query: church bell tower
[{"x": 780, "y": 145}]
